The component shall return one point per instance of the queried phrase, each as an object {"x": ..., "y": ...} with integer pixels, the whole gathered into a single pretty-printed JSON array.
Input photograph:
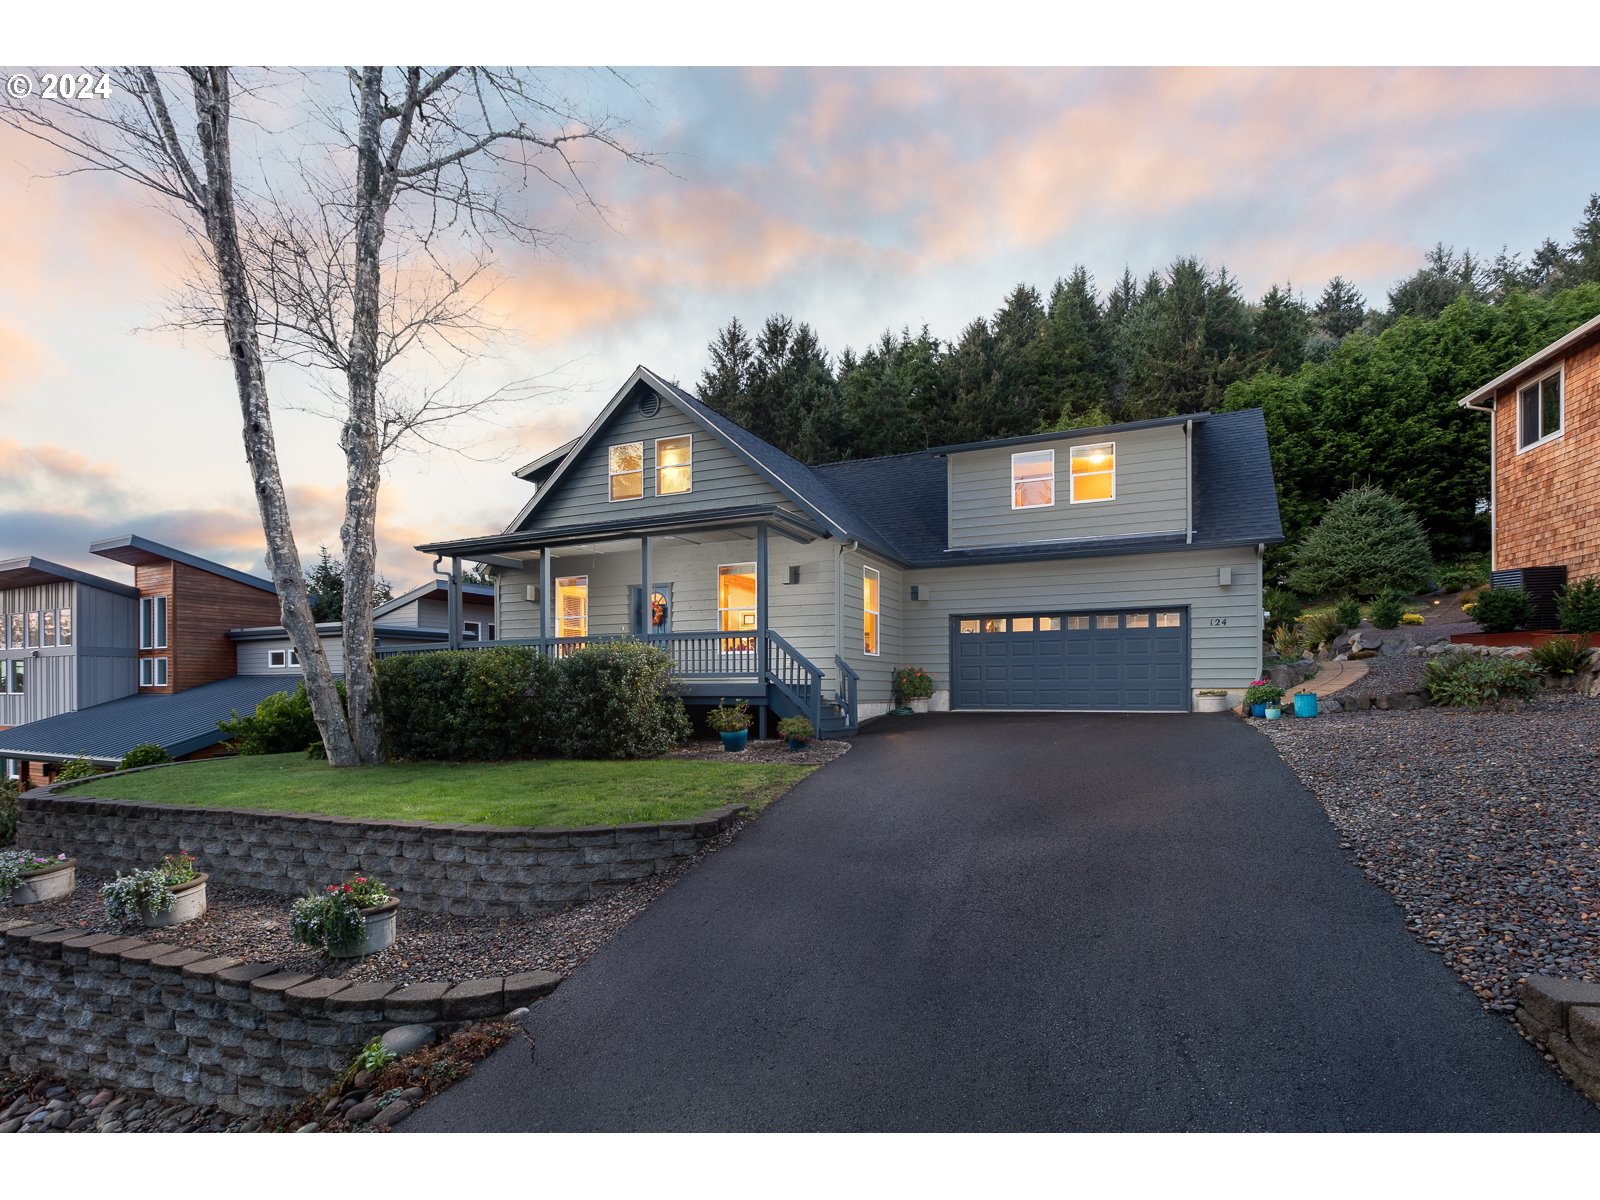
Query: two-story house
[
  {"x": 1544, "y": 465},
  {"x": 1115, "y": 568}
]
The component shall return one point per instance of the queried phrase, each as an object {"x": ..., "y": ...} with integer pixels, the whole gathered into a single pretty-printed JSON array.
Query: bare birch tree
[{"x": 362, "y": 234}]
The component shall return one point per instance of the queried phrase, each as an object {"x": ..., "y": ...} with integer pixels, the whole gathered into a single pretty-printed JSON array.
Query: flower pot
[
  {"x": 379, "y": 934},
  {"x": 1211, "y": 704},
  {"x": 918, "y": 704},
  {"x": 48, "y": 883},
  {"x": 1258, "y": 710},
  {"x": 733, "y": 740},
  {"x": 1305, "y": 704},
  {"x": 1273, "y": 712},
  {"x": 799, "y": 743},
  {"x": 188, "y": 903}
]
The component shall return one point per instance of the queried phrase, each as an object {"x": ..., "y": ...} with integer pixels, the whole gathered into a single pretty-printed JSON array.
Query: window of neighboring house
[
  {"x": 472, "y": 631},
  {"x": 1539, "y": 410},
  {"x": 15, "y": 620},
  {"x": 152, "y": 623},
  {"x": 1033, "y": 479},
  {"x": 12, "y": 771},
  {"x": 736, "y": 596},
  {"x": 491, "y": 631},
  {"x": 674, "y": 469},
  {"x": 47, "y": 627},
  {"x": 277, "y": 659},
  {"x": 64, "y": 627},
  {"x": 627, "y": 471},
  {"x": 18, "y": 677},
  {"x": 1094, "y": 472},
  {"x": 152, "y": 672},
  {"x": 33, "y": 629},
  {"x": 870, "y": 588},
  {"x": 572, "y": 606}
]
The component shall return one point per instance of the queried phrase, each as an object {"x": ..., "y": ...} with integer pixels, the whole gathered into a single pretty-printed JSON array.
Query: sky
[{"x": 856, "y": 199}]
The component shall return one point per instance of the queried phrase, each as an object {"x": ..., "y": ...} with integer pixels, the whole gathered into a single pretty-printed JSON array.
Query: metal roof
[
  {"x": 180, "y": 723},
  {"x": 136, "y": 551},
  {"x": 29, "y": 571},
  {"x": 1533, "y": 362}
]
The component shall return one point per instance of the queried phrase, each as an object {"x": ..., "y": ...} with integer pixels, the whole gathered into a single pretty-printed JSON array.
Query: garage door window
[
  {"x": 971, "y": 627},
  {"x": 994, "y": 625},
  {"x": 1077, "y": 622},
  {"x": 1138, "y": 621},
  {"x": 1169, "y": 620},
  {"x": 1105, "y": 620}
]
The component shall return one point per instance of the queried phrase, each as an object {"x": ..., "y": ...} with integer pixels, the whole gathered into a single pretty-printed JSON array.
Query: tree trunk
[{"x": 212, "y": 109}]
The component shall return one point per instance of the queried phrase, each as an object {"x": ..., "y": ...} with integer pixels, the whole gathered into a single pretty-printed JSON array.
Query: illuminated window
[
  {"x": 870, "y": 588},
  {"x": 64, "y": 627},
  {"x": 736, "y": 596},
  {"x": 1049, "y": 624},
  {"x": 572, "y": 606},
  {"x": 1021, "y": 624},
  {"x": 627, "y": 471},
  {"x": 1033, "y": 479},
  {"x": 1094, "y": 472},
  {"x": 970, "y": 627},
  {"x": 1169, "y": 620},
  {"x": 1078, "y": 622},
  {"x": 674, "y": 459},
  {"x": 994, "y": 624},
  {"x": 1138, "y": 621}
]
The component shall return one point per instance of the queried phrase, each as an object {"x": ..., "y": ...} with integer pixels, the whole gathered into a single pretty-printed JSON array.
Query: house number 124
[{"x": 1219, "y": 620}]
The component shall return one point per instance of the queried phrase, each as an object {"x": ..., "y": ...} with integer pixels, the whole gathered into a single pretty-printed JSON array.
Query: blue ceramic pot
[
  {"x": 1305, "y": 704},
  {"x": 734, "y": 742},
  {"x": 1258, "y": 710}
]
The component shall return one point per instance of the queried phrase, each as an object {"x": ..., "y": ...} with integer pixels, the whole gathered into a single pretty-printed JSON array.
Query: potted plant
[
  {"x": 798, "y": 730},
  {"x": 732, "y": 722},
  {"x": 349, "y": 920},
  {"x": 29, "y": 878},
  {"x": 913, "y": 686},
  {"x": 1260, "y": 694},
  {"x": 1305, "y": 704},
  {"x": 169, "y": 894},
  {"x": 1211, "y": 700}
]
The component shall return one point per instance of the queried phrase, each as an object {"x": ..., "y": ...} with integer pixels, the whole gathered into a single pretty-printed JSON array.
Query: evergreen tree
[
  {"x": 725, "y": 383},
  {"x": 1549, "y": 264},
  {"x": 325, "y": 584},
  {"x": 1583, "y": 255},
  {"x": 1341, "y": 309},
  {"x": 1282, "y": 327},
  {"x": 1074, "y": 371}
]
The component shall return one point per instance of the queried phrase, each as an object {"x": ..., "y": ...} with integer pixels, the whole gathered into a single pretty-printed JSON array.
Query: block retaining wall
[
  {"x": 461, "y": 870},
  {"x": 183, "y": 1025},
  {"x": 1564, "y": 1014}
]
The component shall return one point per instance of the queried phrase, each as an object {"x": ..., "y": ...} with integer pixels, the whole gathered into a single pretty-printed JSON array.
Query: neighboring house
[
  {"x": 1544, "y": 460},
  {"x": 1115, "y": 568},
  {"x": 428, "y": 607}
]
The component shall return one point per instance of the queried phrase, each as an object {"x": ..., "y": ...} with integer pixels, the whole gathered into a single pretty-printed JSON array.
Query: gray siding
[
  {"x": 875, "y": 695},
  {"x": 252, "y": 656},
  {"x": 1151, "y": 492},
  {"x": 105, "y": 637},
  {"x": 1222, "y": 655},
  {"x": 720, "y": 478},
  {"x": 98, "y": 666}
]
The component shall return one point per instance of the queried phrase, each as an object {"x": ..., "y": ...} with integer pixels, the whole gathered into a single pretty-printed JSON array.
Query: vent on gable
[{"x": 649, "y": 404}]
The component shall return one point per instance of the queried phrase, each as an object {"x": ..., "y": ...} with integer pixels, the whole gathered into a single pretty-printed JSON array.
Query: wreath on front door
[{"x": 658, "y": 610}]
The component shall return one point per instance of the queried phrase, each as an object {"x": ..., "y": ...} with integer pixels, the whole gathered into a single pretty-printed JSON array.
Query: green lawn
[{"x": 556, "y": 792}]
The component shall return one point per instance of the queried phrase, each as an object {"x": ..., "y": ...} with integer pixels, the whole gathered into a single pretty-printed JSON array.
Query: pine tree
[
  {"x": 1583, "y": 255},
  {"x": 1282, "y": 327},
  {"x": 1341, "y": 309},
  {"x": 725, "y": 383},
  {"x": 325, "y": 587},
  {"x": 1075, "y": 364}
]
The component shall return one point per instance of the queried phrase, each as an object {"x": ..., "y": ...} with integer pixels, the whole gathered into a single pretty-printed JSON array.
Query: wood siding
[
  {"x": 1152, "y": 476},
  {"x": 1547, "y": 498},
  {"x": 201, "y": 608},
  {"x": 720, "y": 478}
]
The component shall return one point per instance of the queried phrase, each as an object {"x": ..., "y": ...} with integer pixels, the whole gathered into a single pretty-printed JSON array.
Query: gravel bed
[
  {"x": 50, "y": 1106},
  {"x": 1386, "y": 674},
  {"x": 1483, "y": 824}
]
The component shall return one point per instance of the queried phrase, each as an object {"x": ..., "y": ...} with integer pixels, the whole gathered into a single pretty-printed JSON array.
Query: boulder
[
  {"x": 1363, "y": 652},
  {"x": 408, "y": 1039}
]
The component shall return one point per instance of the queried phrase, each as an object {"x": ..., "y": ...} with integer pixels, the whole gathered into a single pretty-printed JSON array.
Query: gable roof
[
  {"x": 539, "y": 469},
  {"x": 138, "y": 551},
  {"x": 29, "y": 571},
  {"x": 437, "y": 587},
  {"x": 1539, "y": 358}
]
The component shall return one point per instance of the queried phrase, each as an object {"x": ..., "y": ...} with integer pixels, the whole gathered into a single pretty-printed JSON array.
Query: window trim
[
  {"x": 612, "y": 476},
  {"x": 476, "y": 630},
  {"x": 282, "y": 663},
  {"x": 13, "y": 670},
  {"x": 1560, "y": 373},
  {"x": 877, "y": 628},
  {"x": 159, "y": 636},
  {"x": 1051, "y": 451},
  {"x": 64, "y": 628},
  {"x": 153, "y": 662},
  {"x": 754, "y": 608},
  {"x": 689, "y": 466},
  {"x": 1072, "y": 496}
]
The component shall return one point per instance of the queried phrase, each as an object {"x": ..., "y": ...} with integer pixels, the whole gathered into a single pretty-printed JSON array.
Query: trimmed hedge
[
  {"x": 1500, "y": 610},
  {"x": 608, "y": 700}
]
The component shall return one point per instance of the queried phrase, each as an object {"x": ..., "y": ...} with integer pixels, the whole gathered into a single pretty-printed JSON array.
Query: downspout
[
  {"x": 1188, "y": 482},
  {"x": 1261, "y": 608},
  {"x": 838, "y": 596}
]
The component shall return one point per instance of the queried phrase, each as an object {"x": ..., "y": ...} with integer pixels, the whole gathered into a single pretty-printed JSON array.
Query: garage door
[{"x": 1119, "y": 660}]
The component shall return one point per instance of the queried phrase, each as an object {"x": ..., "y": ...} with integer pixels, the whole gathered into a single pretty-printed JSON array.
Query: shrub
[
  {"x": 145, "y": 754},
  {"x": 798, "y": 728},
  {"x": 1348, "y": 612},
  {"x": 1283, "y": 605},
  {"x": 1319, "y": 629},
  {"x": 1367, "y": 542},
  {"x": 468, "y": 705},
  {"x": 78, "y": 768},
  {"x": 1500, "y": 610},
  {"x": 281, "y": 723},
  {"x": 128, "y": 897},
  {"x": 1462, "y": 575},
  {"x": 728, "y": 718},
  {"x": 1459, "y": 678},
  {"x": 912, "y": 683},
  {"x": 1578, "y": 606},
  {"x": 1385, "y": 612},
  {"x": 1561, "y": 656},
  {"x": 1411, "y": 618},
  {"x": 331, "y": 919},
  {"x": 617, "y": 700},
  {"x": 1286, "y": 641},
  {"x": 10, "y": 811}
]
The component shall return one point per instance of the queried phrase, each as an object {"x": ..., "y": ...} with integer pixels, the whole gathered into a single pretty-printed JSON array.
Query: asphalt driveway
[{"x": 1022, "y": 922}]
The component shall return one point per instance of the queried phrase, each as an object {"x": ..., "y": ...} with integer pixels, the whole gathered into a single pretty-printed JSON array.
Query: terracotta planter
[
  {"x": 188, "y": 903},
  {"x": 50, "y": 883},
  {"x": 380, "y": 931}
]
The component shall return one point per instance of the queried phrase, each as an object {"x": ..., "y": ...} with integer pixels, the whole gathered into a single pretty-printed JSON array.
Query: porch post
[
  {"x": 546, "y": 598},
  {"x": 761, "y": 620},
  {"x": 645, "y": 627},
  {"x": 453, "y": 604}
]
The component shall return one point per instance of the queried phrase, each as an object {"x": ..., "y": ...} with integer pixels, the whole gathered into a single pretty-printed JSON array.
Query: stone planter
[
  {"x": 733, "y": 740},
  {"x": 917, "y": 704},
  {"x": 1211, "y": 704},
  {"x": 188, "y": 903},
  {"x": 380, "y": 931},
  {"x": 51, "y": 883}
]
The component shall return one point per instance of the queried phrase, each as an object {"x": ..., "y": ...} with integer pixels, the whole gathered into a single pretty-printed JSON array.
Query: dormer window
[
  {"x": 627, "y": 471},
  {"x": 1033, "y": 479},
  {"x": 1539, "y": 411},
  {"x": 1094, "y": 472}
]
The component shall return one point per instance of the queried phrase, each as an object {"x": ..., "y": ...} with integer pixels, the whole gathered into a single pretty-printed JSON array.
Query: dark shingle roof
[
  {"x": 905, "y": 493},
  {"x": 180, "y": 723},
  {"x": 1235, "y": 498}
]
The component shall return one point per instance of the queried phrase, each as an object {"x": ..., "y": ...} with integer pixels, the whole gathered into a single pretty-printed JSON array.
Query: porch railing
[{"x": 796, "y": 676}]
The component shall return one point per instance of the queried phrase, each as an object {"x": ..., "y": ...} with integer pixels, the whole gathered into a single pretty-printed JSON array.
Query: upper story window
[
  {"x": 47, "y": 627},
  {"x": 152, "y": 672},
  {"x": 1539, "y": 410},
  {"x": 64, "y": 627},
  {"x": 1033, "y": 479},
  {"x": 871, "y": 586},
  {"x": 1094, "y": 472},
  {"x": 15, "y": 620},
  {"x": 627, "y": 471},
  {"x": 33, "y": 629},
  {"x": 674, "y": 458},
  {"x": 572, "y": 606},
  {"x": 152, "y": 622}
]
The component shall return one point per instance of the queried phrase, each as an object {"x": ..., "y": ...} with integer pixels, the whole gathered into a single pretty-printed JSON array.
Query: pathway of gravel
[{"x": 1484, "y": 824}]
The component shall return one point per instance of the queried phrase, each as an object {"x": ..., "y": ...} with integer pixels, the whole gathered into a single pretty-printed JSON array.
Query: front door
[{"x": 659, "y": 614}]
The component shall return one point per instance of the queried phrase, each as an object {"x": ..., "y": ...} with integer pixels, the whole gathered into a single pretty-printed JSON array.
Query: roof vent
[{"x": 649, "y": 404}]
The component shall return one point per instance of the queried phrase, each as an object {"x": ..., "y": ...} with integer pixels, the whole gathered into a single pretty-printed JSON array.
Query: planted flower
[
  {"x": 28, "y": 877},
  {"x": 168, "y": 894},
  {"x": 349, "y": 919}
]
